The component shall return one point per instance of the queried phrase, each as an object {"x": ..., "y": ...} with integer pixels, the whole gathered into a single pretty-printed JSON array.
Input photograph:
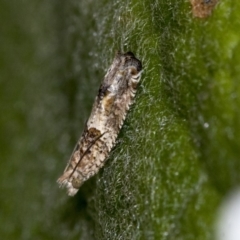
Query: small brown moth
[
  {"x": 203, "y": 8},
  {"x": 114, "y": 98}
]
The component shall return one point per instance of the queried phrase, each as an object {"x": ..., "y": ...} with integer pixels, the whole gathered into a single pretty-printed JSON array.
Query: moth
[{"x": 111, "y": 105}]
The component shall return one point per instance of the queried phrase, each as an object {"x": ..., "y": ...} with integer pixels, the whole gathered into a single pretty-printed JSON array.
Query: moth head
[
  {"x": 132, "y": 63},
  {"x": 133, "y": 71}
]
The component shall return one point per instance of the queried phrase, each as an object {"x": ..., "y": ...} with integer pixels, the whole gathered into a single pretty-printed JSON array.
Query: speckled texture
[{"x": 115, "y": 96}]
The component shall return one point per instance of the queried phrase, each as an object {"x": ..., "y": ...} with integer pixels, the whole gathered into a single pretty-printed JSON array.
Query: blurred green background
[{"x": 177, "y": 155}]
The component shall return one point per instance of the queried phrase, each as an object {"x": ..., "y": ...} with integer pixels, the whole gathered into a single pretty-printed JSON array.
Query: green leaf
[{"x": 177, "y": 155}]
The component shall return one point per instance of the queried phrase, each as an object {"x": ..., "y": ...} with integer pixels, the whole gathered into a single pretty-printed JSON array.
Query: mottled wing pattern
[{"x": 111, "y": 105}]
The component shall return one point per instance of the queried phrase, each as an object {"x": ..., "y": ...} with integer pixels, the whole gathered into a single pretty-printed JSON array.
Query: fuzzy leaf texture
[{"x": 177, "y": 155}]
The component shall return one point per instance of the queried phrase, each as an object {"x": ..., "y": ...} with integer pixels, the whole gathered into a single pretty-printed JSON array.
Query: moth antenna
[
  {"x": 74, "y": 150},
  {"x": 89, "y": 147}
]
